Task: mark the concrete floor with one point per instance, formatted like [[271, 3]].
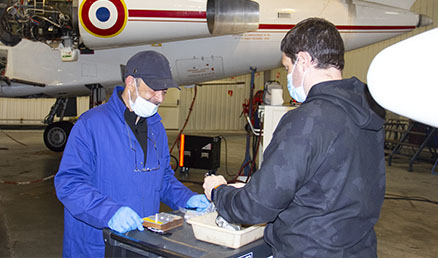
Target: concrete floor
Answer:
[[31, 218]]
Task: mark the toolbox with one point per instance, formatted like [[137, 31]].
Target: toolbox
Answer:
[[200, 152]]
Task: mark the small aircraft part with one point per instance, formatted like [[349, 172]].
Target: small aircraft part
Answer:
[[163, 221], [222, 223]]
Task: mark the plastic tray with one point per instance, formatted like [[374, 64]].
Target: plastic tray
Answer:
[[205, 229]]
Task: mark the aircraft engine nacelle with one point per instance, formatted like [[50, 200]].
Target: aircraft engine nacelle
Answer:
[[230, 17], [100, 24]]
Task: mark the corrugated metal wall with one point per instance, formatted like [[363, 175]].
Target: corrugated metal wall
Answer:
[[215, 109], [31, 111]]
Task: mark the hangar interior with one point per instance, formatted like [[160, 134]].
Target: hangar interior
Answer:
[[31, 217]]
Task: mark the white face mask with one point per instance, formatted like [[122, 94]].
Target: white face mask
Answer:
[[296, 93], [141, 106]]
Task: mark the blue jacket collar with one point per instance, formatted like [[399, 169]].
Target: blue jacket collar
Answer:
[[120, 107]]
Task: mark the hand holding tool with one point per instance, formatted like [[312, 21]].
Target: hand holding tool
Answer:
[[211, 182]]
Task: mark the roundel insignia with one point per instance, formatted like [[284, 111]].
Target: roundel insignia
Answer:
[[103, 18]]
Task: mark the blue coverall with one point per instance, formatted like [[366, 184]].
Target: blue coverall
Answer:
[[96, 176]]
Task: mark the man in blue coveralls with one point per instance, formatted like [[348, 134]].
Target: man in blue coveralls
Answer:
[[115, 168]]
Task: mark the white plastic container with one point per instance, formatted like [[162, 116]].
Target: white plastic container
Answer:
[[277, 97], [205, 229]]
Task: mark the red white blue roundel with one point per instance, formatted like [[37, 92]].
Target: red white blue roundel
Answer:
[[103, 18]]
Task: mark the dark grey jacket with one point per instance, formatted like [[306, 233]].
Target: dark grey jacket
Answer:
[[322, 182]]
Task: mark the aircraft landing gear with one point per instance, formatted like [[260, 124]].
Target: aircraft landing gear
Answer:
[[56, 133]]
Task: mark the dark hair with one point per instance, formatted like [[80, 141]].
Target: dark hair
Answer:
[[320, 39]]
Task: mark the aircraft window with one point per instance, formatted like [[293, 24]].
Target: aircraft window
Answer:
[[284, 15]]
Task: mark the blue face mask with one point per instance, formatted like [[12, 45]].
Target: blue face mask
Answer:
[[296, 93]]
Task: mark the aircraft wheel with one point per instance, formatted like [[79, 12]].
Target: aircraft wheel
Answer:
[[56, 134]]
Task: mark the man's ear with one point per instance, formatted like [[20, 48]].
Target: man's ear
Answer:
[[130, 82], [305, 59]]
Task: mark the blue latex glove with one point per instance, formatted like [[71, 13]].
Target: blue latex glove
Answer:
[[198, 202], [124, 220]]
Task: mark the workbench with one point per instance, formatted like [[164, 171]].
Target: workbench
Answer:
[[179, 243]]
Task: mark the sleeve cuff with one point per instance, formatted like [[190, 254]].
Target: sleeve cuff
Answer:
[[213, 192]]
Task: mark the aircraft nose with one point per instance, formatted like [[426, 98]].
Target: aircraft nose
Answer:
[[424, 21]]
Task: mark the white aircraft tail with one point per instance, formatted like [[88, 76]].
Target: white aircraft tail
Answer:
[[403, 4]]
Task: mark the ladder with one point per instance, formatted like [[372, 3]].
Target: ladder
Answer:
[[412, 135]]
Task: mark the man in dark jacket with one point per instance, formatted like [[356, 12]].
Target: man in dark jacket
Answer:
[[322, 182], [115, 168]]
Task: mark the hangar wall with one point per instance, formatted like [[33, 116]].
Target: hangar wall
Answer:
[[216, 108], [30, 111]]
